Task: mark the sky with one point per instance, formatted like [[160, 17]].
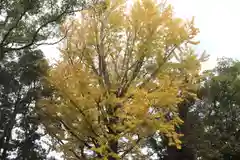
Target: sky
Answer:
[[219, 24]]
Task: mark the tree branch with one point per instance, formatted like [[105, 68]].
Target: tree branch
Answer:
[[131, 148], [12, 28], [82, 113], [154, 73], [34, 37], [61, 142]]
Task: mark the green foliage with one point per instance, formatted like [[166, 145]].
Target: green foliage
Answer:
[[221, 109], [19, 90], [211, 127], [28, 23], [25, 25]]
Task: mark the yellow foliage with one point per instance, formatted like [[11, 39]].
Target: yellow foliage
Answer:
[[123, 69]]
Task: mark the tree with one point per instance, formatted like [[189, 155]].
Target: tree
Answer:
[[20, 87], [28, 23], [123, 72], [193, 132], [214, 117], [25, 25], [219, 110]]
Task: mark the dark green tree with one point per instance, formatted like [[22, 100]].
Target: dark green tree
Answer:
[[29, 23], [219, 110], [212, 122], [24, 26], [159, 145], [20, 87]]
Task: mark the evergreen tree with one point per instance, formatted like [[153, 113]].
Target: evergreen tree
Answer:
[[24, 26], [28, 23], [212, 120], [20, 87], [219, 110]]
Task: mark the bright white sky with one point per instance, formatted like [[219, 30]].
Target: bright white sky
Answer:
[[219, 24], [218, 21]]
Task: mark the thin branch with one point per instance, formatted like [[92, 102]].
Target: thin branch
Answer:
[[128, 52], [131, 148], [52, 43], [114, 61], [67, 128], [34, 37], [61, 143], [12, 28], [83, 114], [155, 72], [83, 156], [75, 135], [102, 58], [56, 42], [90, 60], [135, 73]]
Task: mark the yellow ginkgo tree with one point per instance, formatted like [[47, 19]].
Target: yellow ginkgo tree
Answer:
[[124, 68]]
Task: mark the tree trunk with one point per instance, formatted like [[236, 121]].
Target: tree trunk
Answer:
[[186, 152], [113, 145], [172, 153], [8, 133]]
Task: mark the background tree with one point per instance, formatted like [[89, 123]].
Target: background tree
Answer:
[[19, 89], [219, 111], [28, 23], [214, 132], [192, 129], [193, 136], [122, 76], [25, 25]]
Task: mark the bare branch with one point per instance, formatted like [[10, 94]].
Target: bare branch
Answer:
[[126, 60], [56, 42], [34, 37], [135, 72], [12, 28], [52, 43], [102, 57]]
